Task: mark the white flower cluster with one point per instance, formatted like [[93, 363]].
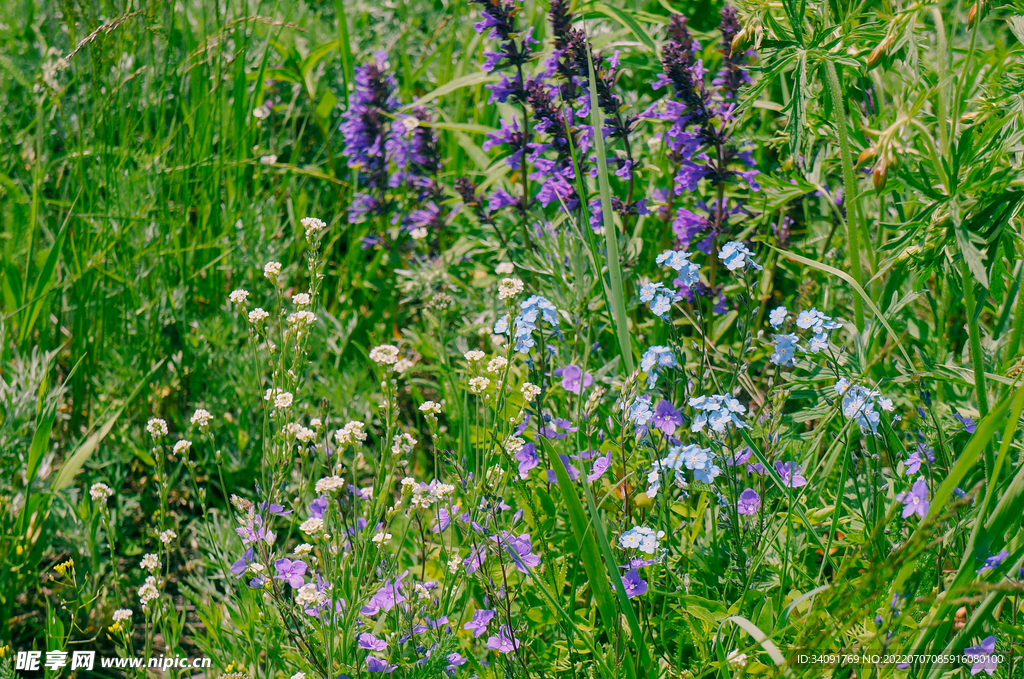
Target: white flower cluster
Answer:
[[298, 432], [257, 316], [201, 418], [167, 536], [329, 484], [157, 428], [272, 270], [509, 288], [309, 596], [315, 229], [352, 433], [312, 526], [384, 354], [238, 297], [530, 391], [99, 492], [150, 562], [281, 399], [402, 444], [122, 614], [148, 591], [497, 364], [478, 385], [182, 447]]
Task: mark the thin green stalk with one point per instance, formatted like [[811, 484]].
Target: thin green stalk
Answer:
[[850, 187], [611, 238], [974, 332]]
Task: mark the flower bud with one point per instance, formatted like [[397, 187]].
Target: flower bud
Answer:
[[880, 51], [739, 41], [880, 176], [866, 155]]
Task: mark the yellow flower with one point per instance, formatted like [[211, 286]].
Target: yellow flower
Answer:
[[63, 568]]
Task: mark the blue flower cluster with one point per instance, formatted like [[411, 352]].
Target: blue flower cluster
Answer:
[[534, 308]]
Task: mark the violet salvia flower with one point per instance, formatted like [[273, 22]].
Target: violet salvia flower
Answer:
[[366, 128], [481, 619], [505, 642], [634, 585]]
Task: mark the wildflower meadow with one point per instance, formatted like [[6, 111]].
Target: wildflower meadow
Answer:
[[511, 338]]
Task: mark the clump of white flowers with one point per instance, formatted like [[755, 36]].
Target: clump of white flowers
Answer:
[[257, 316], [157, 428], [384, 354], [315, 229], [298, 432], [509, 288], [122, 614], [312, 526], [329, 484], [497, 364], [167, 536], [201, 418], [238, 297], [99, 492], [182, 447], [301, 299], [150, 562], [272, 270], [478, 385], [351, 433], [402, 444], [309, 596], [530, 391], [148, 591]]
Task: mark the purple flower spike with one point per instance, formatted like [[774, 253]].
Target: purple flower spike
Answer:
[[984, 656], [481, 618], [749, 502], [790, 473], [635, 585], [291, 571], [505, 642]]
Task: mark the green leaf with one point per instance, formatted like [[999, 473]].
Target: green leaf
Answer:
[[452, 85], [611, 239], [627, 20]]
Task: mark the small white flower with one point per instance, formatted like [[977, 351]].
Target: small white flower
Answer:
[[272, 270], [309, 596], [504, 268], [402, 365], [402, 444], [283, 400], [530, 391], [381, 538], [352, 432], [329, 484], [385, 354], [314, 229], [509, 287], [418, 233], [430, 407], [167, 537], [157, 428], [475, 356], [150, 562], [148, 591], [257, 316], [477, 385], [497, 364], [238, 297], [312, 526], [182, 447], [299, 675], [99, 492], [122, 614], [301, 299], [454, 565], [736, 659], [304, 548], [268, 159], [201, 418]]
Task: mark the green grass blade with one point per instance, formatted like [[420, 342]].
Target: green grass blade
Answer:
[[611, 237]]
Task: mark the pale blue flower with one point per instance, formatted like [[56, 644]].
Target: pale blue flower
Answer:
[[777, 316], [785, 350], [735, 256]]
